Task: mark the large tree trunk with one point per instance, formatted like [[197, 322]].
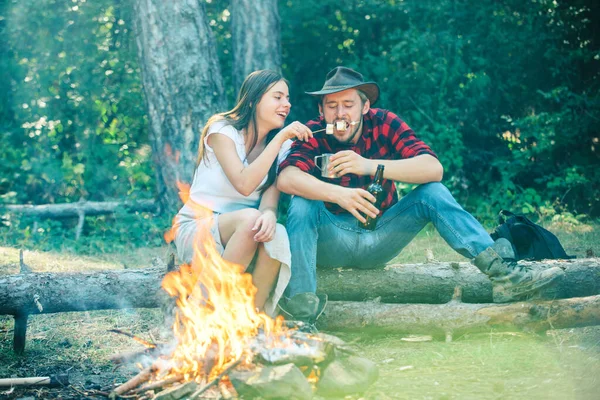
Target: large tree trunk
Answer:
[[182, 83], [256, 37]]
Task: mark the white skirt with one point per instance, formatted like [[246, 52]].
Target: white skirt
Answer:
[[187, 231]]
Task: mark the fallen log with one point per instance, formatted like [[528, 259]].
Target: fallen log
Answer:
[[66, 210], [434, 283], [46, 292], [455, 317], [37, 293]]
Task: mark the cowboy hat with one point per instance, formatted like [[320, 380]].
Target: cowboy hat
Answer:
[[342, 78]]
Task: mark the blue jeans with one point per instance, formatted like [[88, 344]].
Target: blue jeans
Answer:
[[318, 237]]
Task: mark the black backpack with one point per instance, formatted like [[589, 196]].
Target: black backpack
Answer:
[[529, 240]]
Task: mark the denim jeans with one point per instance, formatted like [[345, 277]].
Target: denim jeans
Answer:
[[318, 237]]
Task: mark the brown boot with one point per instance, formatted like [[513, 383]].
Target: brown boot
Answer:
[[512, 281], [305, 308]]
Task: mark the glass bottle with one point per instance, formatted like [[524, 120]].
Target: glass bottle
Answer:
[[378, 192]]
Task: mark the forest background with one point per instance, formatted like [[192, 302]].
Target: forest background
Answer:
[[506, 92]]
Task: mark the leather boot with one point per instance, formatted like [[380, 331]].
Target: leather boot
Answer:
[[512, 281], [305, 308]]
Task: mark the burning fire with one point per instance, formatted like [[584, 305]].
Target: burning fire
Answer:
[[216, 321]]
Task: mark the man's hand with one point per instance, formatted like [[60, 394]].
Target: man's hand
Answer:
[[357, 202], [265, 226], [349, 162]]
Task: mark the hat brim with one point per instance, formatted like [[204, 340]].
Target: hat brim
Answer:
[[371, 89]]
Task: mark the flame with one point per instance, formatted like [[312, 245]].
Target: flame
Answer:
[[216, 319]]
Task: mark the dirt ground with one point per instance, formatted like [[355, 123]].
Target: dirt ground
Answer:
[[563, 364]]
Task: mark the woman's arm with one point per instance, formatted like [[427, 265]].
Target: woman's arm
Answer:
[[246, 179]]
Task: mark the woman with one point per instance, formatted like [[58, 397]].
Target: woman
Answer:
[[234, 179]]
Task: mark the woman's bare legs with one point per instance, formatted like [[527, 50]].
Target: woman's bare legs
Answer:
[[237, 236], [264, 276]]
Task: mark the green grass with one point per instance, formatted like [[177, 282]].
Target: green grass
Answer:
[[564, 364]]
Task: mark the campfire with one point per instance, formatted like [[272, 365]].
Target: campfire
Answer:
[[223, 347]]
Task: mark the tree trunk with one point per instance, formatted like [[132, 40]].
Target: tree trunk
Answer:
[[182, 84], [70, 210], [456, 318], [420, 283], [256, 37], [45, 292], [435, 283]]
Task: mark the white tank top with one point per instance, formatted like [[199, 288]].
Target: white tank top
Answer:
[[211, 188]]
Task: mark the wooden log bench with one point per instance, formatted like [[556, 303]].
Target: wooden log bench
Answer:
[[360, 298]]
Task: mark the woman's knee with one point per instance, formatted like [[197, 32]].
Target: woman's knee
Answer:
[[246, 221]]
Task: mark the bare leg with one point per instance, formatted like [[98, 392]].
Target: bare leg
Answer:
[[264, 276], [237, 236]]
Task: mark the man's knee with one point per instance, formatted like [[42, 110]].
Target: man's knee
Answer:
[[433, 192]]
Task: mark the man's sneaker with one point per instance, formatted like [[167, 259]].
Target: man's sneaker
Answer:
[[512, 281]]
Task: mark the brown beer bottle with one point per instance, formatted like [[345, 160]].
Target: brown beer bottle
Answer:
[[377, 191]]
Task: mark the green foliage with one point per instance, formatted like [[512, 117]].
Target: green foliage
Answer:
[[507, 94], [100, 234], [78, 117]]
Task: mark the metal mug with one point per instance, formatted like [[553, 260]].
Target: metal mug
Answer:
[[324, 165]]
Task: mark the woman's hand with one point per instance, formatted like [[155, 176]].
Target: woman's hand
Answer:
[[265, 226], [295, 130]]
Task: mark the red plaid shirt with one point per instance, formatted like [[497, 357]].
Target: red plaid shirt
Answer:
[[384, 137]]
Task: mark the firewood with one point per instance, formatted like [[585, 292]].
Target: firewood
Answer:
[[177, 392], [143, 376], [203, 389], [135, 355], [159, 384]]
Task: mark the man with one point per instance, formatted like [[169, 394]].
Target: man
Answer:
[[323, 212]]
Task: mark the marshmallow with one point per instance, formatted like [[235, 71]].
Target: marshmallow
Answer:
[[341, 125], [329, 129]]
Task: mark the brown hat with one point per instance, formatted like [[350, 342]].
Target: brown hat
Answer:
[[342, 78]]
